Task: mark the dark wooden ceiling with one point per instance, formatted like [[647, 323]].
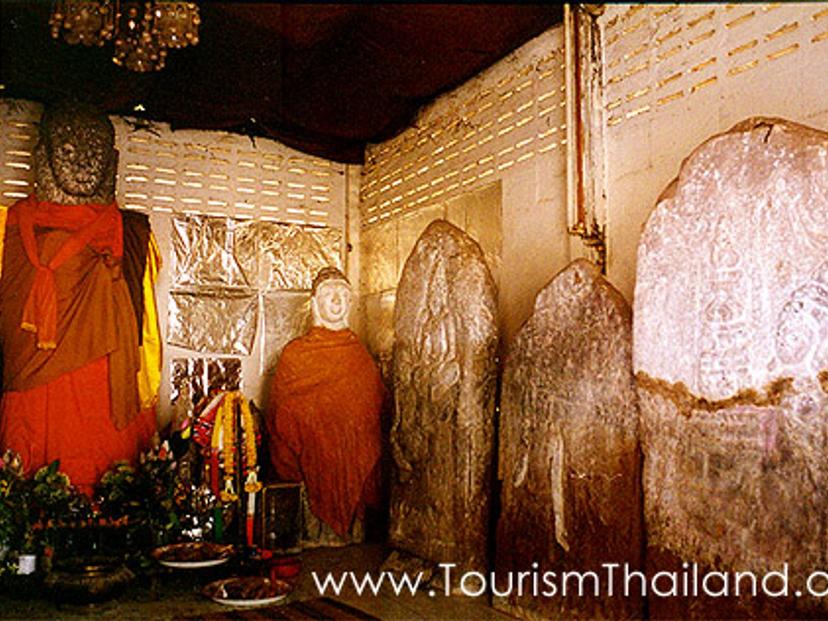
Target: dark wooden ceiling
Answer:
[[324, 78]]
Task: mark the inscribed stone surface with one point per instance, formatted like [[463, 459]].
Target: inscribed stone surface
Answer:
[[445, 374], [569, 457], [731, 345], [411, 226]]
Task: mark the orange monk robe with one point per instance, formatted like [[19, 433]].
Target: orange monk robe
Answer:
[[68, 419], [324, 423], [3, 213], [77, 402]]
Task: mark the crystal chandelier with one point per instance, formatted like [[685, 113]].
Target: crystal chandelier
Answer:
[[142, 31]]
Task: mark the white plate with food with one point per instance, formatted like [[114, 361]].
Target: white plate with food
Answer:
[[247, 591], [193, 554]]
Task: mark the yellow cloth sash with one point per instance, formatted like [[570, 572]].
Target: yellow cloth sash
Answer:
[[149, 376]]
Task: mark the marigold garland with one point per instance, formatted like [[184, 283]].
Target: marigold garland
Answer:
[[229, 441], [252, 484], [234, 428], [222, 441]]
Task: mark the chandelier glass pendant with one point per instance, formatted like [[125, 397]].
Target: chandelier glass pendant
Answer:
[[142, 31]]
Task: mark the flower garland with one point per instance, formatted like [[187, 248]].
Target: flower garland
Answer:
[[249, 430], [230, 435], [228, 449], [235, 432], [223, 443], [251, 483], [204, 430]]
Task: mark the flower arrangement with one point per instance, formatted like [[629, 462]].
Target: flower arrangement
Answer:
[[33, 509], [161, 499], [12, 508], [54, 502], [157, 497], [53, 494], [142, 496], [151, 504]]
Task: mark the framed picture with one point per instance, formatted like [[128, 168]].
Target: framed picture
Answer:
[[281, 518]]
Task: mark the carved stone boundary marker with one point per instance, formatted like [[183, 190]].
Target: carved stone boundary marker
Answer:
[[731, 352], [569, 457], [445, 370]]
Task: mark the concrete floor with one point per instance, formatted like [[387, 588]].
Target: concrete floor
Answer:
[[175, 594]]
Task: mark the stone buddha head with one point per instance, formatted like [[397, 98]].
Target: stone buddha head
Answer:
[[75, 157], [331, 299]]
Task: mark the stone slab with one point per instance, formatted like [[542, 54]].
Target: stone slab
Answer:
[[731, 344], [569, 462], [445, 374]]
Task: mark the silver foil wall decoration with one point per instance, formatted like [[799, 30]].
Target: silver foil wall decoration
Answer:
[[193, 379], [286, 316], [292, 255], [222, 266], [210, 251], [213, 320]]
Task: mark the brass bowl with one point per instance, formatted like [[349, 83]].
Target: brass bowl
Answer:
[[88, 580]]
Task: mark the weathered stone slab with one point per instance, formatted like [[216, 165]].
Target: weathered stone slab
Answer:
[[569, 457], [445, 374], [731, 340]]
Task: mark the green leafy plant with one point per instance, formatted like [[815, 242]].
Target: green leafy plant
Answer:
[[53, 505], [147, 505], [143, 496], [14, 529], [12, 486]]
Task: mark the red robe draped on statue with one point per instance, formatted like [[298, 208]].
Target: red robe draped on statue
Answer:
[[69, 340], [324, 424]]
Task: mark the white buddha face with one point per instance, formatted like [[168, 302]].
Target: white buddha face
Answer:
[[331, 304]]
